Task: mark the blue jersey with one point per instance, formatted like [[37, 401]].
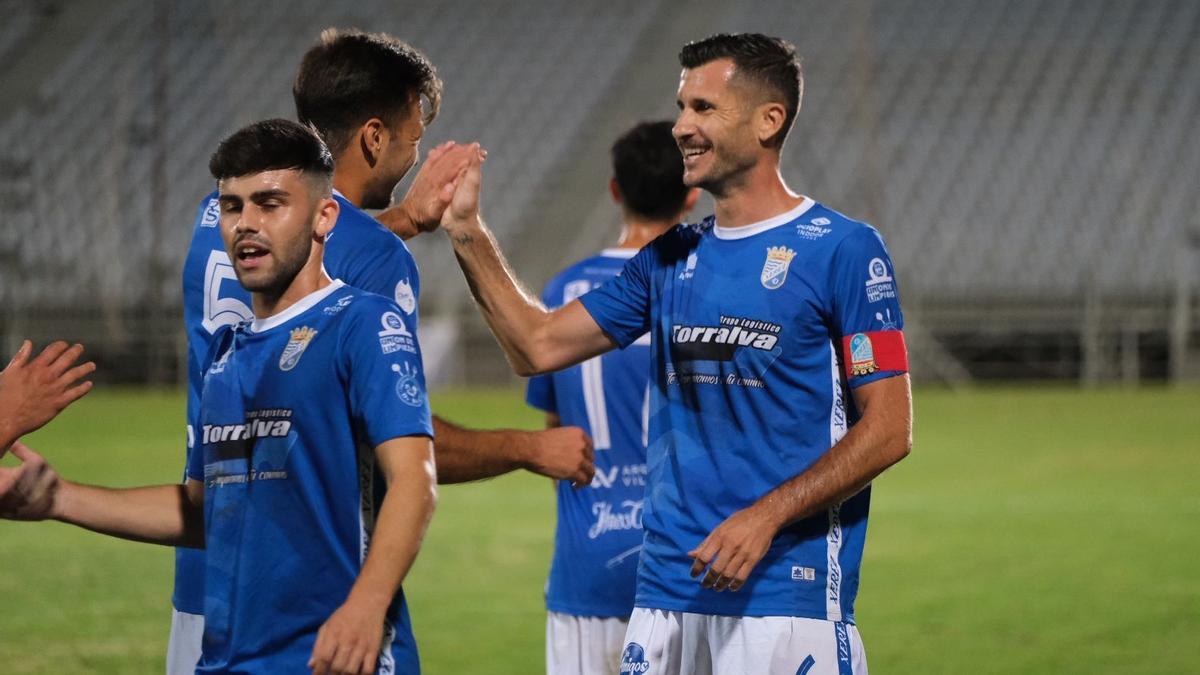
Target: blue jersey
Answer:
[[359, 251], [599, 533], [292, 410], [758, 332]]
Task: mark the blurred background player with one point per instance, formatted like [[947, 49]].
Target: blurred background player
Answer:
[[779, 393], [594, 571], [363, 93], [311, 508]]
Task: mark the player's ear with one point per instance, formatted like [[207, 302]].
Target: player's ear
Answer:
[[372, 136], [325, 218], [614, 190], [768, 120]]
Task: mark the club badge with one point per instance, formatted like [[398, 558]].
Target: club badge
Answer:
[[775, 269], [298, 342]]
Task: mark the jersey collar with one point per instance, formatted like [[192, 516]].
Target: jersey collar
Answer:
[[303, 305], [763, 225], [625, 253]]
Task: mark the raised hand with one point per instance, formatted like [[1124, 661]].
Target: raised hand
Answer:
[[431, 190], [33, 392]]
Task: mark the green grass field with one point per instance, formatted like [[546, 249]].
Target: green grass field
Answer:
[[1031, 531]]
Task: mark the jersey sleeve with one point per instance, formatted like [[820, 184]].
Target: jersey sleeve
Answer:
[[539, 392], [383, 373], [621, 307], [384, 266], [865, 303]]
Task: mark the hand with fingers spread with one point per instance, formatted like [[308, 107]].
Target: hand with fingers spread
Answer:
[[33, 392], [29, 491], [562, 453], [431, 190], [731, 551], [349, 641]]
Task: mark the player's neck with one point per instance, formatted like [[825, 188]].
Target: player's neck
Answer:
[[637, 232], [349, 186], [309, 280], [762, 195]]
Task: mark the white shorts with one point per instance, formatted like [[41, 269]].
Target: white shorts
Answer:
[[583, 645], [679, 643], [183, 649]]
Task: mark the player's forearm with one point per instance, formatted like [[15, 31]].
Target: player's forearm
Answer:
[[465, 455], [399, 529], [882, 437], [516, 317], [399, 219], [162, 514]]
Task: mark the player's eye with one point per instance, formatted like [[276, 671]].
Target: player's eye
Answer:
[[229, 207]]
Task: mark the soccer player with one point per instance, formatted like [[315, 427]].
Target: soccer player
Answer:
[[780, 383], [312, 480], [590, 592], [363, 93]]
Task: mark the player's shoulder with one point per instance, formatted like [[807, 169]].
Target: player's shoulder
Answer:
[[357, 230], [353, 306], [582, 275], [822, 227]]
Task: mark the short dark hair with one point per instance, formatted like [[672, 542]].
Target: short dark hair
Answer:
[[648, 168], [350, 76], [769, 62], [269, 145]]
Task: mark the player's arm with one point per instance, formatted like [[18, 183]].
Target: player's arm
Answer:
[[882, 437], [430, 192], [163, 514], [33, 392], [464, 455], [349, 641], [534, 339]]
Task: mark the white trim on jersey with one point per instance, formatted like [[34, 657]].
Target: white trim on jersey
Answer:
[[625, 253], [763, 225], [593, 400], [838, 426], [302, 305], [646, 417]]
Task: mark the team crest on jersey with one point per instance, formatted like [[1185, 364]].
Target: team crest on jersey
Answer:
[[297, 343], [880, 285], [404, 296], [775, 269], [212, 214], [408, 388], [862, 355]]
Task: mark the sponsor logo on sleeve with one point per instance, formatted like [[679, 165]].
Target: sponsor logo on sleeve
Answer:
[[395, 336], [211, 217], [633, 659], [885, 320], [408, 388], [880, 285], [775, 268], [405, 297]]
